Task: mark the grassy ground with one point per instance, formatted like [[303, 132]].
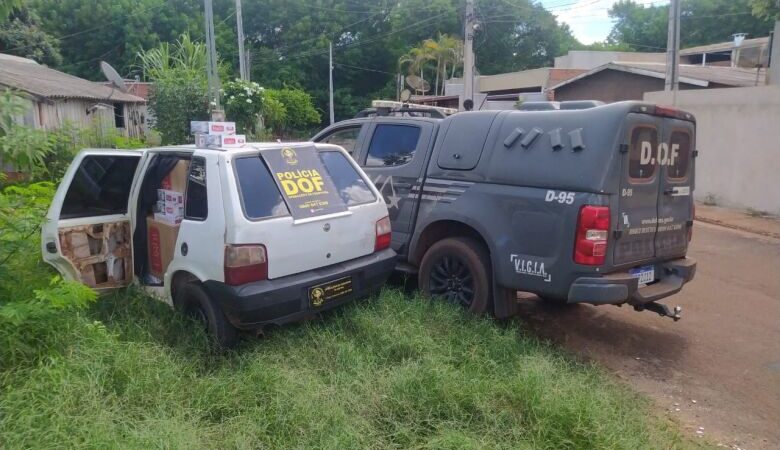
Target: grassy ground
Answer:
[[391, 372]]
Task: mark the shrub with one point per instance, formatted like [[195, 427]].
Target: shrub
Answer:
[[244, 101], [300, 115]]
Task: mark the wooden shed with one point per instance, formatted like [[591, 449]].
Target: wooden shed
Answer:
[[57, 98]]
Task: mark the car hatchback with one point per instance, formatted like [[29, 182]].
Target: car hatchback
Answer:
[[237, 237]]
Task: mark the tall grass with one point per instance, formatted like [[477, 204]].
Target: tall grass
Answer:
[[392, 372]]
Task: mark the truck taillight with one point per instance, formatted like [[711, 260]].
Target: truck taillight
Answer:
[[590, 245], [383, 234], [245, 263]]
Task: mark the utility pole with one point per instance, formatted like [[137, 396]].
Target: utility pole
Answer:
[[243, 67], [673, 49], [330, 75], [211, 60], [468, 57]]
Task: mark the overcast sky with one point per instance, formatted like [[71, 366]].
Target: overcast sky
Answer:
[[588, 19]]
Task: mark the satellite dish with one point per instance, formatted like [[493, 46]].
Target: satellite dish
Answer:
[[417, 83], [406, 94], [113, 76]]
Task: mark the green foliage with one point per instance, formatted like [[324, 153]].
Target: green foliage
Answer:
[[7, 7], [180, 92], [300, 113], [766, 9], [644, 28], [23, 36], [128, 142], [22, 147], [243, 102]]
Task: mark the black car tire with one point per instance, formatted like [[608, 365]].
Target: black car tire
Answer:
[[458, 269], [192, 300]]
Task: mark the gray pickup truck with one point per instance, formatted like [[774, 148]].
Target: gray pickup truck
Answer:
[[578, 206]]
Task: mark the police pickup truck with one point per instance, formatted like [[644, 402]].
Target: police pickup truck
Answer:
[[586, 205]]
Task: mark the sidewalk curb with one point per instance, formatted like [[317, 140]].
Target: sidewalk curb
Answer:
[[737, 227]]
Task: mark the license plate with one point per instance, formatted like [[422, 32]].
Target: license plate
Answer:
[[645, 274], [325, 292]]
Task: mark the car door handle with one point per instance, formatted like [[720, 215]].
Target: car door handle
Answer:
[[51, 247]]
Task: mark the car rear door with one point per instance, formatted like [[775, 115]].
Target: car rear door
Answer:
[[637, 214], [87, 235], [295, 244], [675, 204], [393, 156]]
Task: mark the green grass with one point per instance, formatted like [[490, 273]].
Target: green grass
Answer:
[[392, 372]]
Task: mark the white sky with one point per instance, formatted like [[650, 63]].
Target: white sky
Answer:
[[588, 19]]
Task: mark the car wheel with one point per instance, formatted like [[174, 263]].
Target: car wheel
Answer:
[[458, 271], [194, 301]]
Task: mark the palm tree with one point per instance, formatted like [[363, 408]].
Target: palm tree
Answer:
[[415, 60], [446, 50]]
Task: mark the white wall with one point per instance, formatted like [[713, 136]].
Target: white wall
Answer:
[[590, 59], [738, 138]]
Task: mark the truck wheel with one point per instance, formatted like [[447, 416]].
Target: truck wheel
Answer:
[[194, 301], [457, 270]]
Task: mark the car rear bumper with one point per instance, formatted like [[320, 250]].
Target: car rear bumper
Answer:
[[617, 288], [286, 299]]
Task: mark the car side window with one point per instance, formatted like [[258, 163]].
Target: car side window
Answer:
[[100, 186], [196, 205], [392, 145], [345, 137]]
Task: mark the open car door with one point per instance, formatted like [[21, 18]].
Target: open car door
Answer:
[[87, 235]]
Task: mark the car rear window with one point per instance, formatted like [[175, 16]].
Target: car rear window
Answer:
[[352, 188], [680, 154], [260, 198], [641, 154]]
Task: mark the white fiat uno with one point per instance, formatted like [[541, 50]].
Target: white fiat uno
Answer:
[[236, 237]]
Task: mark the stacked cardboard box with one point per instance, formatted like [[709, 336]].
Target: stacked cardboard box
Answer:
[[216, 134], [170, 206], [163, 225], [161, 246]]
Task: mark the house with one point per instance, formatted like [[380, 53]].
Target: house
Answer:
[[56, 98], [747, 53], [618, 81]]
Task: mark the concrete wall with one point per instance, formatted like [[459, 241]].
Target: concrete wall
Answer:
[[589, 59], [738, 138]]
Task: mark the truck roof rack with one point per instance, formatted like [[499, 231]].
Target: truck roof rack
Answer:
[[393, 108]]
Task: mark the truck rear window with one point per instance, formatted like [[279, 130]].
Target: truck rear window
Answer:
[[352, 188], [260, 198], [680, 154], [641, 154]]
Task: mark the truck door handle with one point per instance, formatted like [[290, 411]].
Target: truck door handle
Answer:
[[51, 247]]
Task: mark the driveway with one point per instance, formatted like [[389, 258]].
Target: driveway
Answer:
[[718, 369]]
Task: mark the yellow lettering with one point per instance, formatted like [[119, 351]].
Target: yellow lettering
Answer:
[[290, 187], [317, 180], [305, 185]]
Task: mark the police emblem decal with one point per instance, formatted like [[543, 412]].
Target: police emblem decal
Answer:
[[289, 155]]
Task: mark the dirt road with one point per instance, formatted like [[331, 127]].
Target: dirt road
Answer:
[[719, 367]]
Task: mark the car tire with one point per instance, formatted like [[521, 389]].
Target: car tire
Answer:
[[193, 301], [458, 270]]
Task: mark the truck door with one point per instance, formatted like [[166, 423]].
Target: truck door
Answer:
[[393, 156], [87, 235], [637, 215], [675, 205]]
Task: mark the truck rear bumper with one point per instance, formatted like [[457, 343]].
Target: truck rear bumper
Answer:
[[618, 288], [286, 299]]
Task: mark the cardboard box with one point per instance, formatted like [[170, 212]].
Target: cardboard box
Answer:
[[169, 219], [199, 127], [209, 140], [161, 243], [176, 180]]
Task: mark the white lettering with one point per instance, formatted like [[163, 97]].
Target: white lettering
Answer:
[[646, 153]]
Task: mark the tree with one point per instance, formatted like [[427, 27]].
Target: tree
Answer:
[[180, 92], [23, 36], [766, 9], [7, 7], [644, 28]]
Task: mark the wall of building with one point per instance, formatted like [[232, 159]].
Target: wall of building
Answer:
[[611, 86], [586, 59], [86, 113], [737, 139]]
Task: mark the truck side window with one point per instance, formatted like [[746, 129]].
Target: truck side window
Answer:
[[392, 145], [642, 153], [100, 186], [196, 205], [681, 142], [345, 137]]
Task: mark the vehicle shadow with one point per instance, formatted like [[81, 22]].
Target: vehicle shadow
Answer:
[[604, 332]]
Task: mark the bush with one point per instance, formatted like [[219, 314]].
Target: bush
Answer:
[[300, 113], [244, 101], [173, 103]]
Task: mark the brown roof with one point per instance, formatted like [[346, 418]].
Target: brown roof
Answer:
[[41, 81], [689, 74]]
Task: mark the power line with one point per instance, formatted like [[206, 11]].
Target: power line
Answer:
[[363, 68]]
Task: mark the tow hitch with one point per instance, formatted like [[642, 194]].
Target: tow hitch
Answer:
[[661, 309]]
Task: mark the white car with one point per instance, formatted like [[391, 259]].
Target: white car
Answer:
[[237, 237]]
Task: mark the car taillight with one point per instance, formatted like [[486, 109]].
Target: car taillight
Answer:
[[382, 240], [590, 245], [245, 263]]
